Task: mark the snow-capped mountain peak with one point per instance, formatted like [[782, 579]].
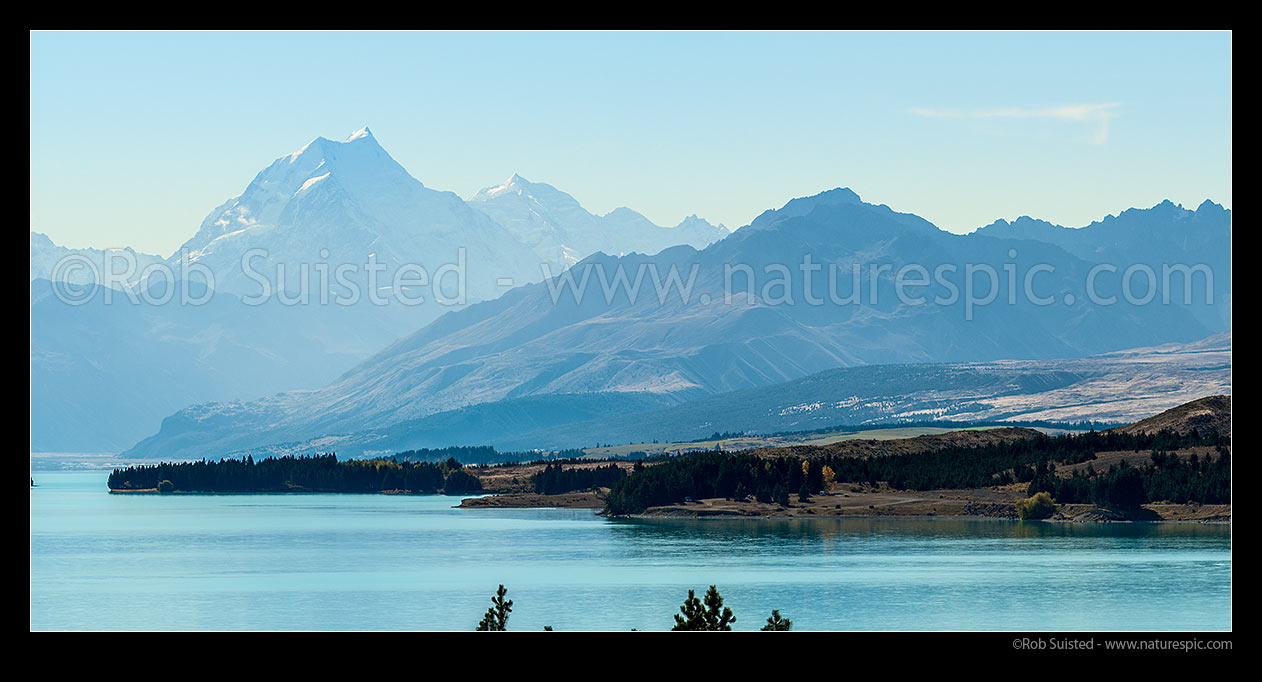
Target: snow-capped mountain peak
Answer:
[[349, 200], [515, 184], [357, 165], [361, 134]]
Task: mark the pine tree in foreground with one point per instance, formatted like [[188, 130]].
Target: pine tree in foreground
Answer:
[[496, 618], [713, 616], [776, 623], [693, 617]]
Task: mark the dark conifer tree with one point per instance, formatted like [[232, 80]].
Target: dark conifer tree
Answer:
[[711, 616], [776, 623], [496, 618]]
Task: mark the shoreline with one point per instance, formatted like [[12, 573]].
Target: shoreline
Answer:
[[990, 504], [155, 491], [910, 517]]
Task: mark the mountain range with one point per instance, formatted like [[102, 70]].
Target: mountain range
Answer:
[[717, 333], [340, 203], [329, 204]]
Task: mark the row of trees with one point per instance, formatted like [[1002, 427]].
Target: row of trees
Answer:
[[316, 473], [555, 479], [695, 615], [999, 463], [469, 454], [715, 474], [1165, 478]]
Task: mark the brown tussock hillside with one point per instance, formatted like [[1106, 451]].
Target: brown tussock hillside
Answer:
[[1205, 414], [902, 446]]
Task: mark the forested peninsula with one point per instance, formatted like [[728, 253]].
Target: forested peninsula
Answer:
[[317, 473]]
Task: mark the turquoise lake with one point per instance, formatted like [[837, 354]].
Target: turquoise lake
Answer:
[[386, 562]]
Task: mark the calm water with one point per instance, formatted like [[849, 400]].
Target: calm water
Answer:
[[381, 562]]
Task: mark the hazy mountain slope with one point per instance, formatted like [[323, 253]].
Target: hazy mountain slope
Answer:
[[498, 422], [103, 375], [1109, 388], [1114, 387]]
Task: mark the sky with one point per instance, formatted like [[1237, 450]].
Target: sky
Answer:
[[136, 137]]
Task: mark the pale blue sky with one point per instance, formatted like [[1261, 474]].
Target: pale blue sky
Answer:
[[135, 137]]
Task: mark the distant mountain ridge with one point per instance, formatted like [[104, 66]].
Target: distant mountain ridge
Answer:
[[90, 265], [562, 232], [1145, 236]]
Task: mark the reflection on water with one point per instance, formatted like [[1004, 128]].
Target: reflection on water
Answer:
[[101, 561]]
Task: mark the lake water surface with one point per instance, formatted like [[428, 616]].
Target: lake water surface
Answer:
[[387, 562]]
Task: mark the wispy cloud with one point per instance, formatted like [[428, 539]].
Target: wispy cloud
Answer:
[[1097, 114]]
